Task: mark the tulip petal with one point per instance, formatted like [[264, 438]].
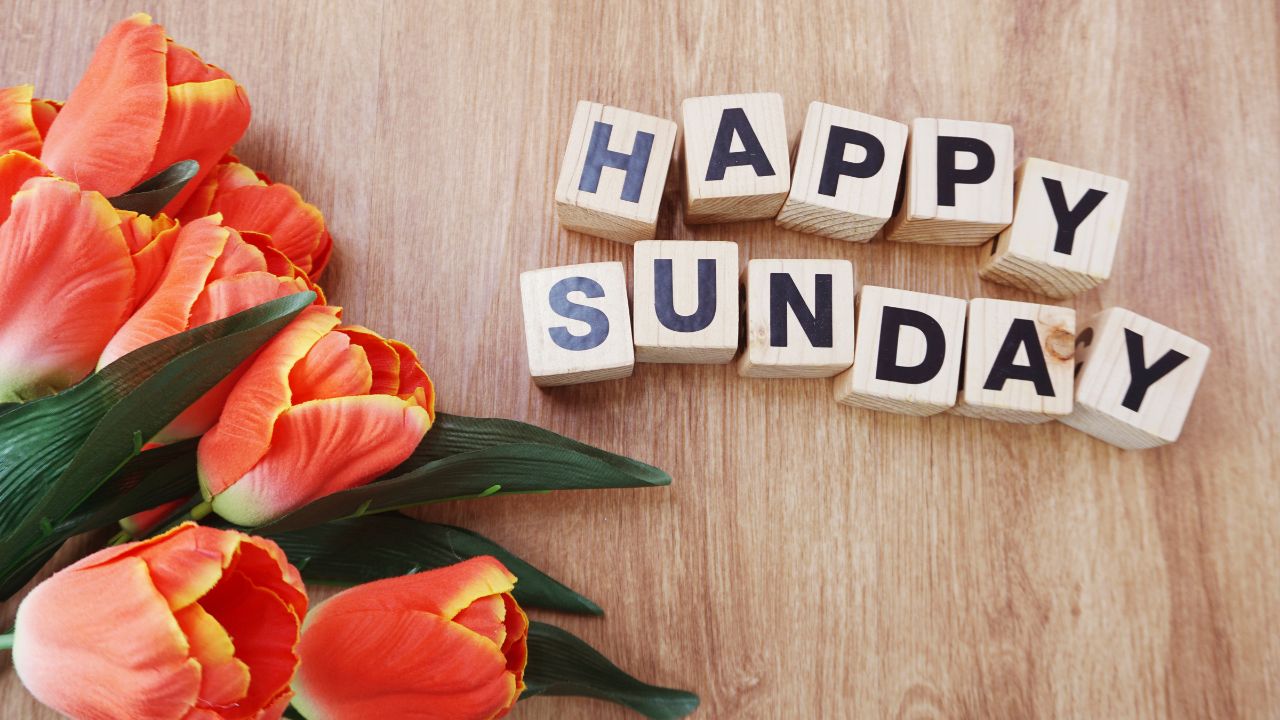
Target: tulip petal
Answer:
[[414, 379], [444, 591], [239, 257], [226, 297], [201, 122], [335, 367], [383, 358], [105, 136], [183, 65], [18, 130], [264, 561], [16, 168], [224, 679], [515, 647], [486, 617], [187, 561], [295, 226], [43, 113]]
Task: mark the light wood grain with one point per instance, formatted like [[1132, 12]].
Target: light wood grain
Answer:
[[812, 561]]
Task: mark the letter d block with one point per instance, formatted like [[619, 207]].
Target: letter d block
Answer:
[[576, 323], [907, 357], [1065, 226], [1135, 380], [1017, 361], [736, 158], [686, 301], [847, 169], [614, 172], [799, 318], [959, 188]]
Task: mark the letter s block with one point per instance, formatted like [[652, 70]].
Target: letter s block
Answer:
[[686, 301], [1135, 380], [576, 323], [736, 158], [799, 320], [907, 356], [1065, 225], [614, 172], [959, 188], [847, 170]]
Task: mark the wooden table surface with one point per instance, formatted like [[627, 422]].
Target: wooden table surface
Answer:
[[810, 560]]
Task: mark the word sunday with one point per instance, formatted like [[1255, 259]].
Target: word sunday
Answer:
[[1123, 378]]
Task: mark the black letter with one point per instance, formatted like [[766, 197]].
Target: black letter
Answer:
[[1021, 332], [735, 120], [664, 297], [600, 156], [816, 325], [1142, 377], [834, 165], [949, 176], [935, 351], [599, 322], [1069, 218]]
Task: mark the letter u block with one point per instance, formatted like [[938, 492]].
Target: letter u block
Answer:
[[907, 356], [799, 318], [577, 324], [736, 158], [1135, 380], [847, 169], [959, 187], [686, 301], [614, 172]]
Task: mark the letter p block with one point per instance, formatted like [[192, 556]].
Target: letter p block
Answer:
[[576, 323]]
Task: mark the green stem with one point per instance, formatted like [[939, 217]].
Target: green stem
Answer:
[[6, 641]]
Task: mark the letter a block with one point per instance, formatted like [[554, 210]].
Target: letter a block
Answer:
[[1018, 363], [959, 188], [1065, 226], [577, 325], [847, 169], [614, 172], [1135, 380], [907, 357], [799, 318], [737, 164], [686, 301]]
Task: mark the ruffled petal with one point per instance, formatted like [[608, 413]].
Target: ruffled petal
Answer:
[[184, 65], [486, 617], [16, 168], [18, 130], [333, 368], [295, 227], [201, 122], [228, 296], [383, 358], [414, 382], [224, 679]]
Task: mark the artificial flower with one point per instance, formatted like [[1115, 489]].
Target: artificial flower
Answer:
[[24, 119], [447, 644], [194, 624]]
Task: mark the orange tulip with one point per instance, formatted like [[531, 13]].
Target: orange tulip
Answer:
[[194, 624], [446, 644], [144, 103], [322, 408], [24, 120]]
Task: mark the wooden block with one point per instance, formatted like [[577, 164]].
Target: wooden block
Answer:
[[1065, 225], [799, 318], [1135, 380], [1018, 363], [577, 325], [614, 172], [959, 188], [907, 356], [686, 301], [736, 160], [847, 170]]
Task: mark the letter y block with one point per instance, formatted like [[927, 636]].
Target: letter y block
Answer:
[[576, 323]]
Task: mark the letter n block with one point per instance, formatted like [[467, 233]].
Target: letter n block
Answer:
[[686, 301], [1065, 226], [907, 356], [1135, 380], [1018, 363], [736, 160], [577, 324], [614, 172], [959, 188], [847, 169], [799, 320]]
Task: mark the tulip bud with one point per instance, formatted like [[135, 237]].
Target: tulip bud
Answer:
[[447, 643], [197, 622]]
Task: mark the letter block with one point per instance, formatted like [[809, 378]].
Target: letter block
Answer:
[[686, 301], [959, 188], [847, 169], [1018, 363], [1135, 380], [799, 318], [614, 172], [736, 158], [577, 325], [1065, 226], [907, 355]]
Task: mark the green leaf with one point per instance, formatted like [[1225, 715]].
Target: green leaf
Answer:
[[6, 407], [151, 195], [364, 549], [562, 664]]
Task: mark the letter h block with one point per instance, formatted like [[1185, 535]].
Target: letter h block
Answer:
[[577, 324], [614, 172], [686, 301], [799, 318], [736, 160]]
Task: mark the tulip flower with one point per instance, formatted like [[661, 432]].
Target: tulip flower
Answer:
[[24, 120], [144, 103], [197, 623], [446, 644], [322, 408]]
